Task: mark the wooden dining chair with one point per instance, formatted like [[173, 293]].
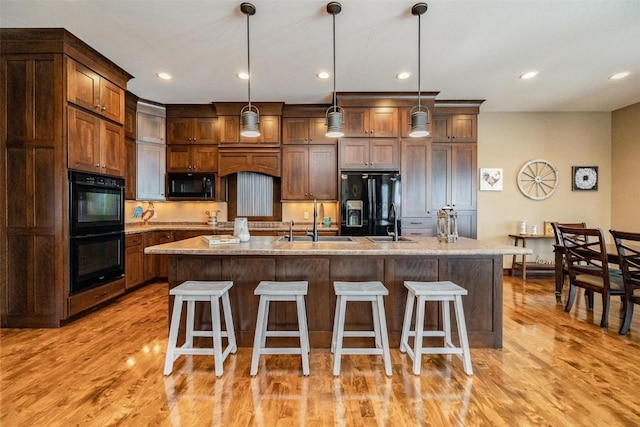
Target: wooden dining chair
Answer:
[[628, 246], [586, 262], [565, 272]]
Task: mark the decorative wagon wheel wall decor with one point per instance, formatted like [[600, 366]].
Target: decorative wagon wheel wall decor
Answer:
[[538, 179]]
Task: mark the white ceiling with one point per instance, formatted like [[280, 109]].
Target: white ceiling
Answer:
[[471, 49]]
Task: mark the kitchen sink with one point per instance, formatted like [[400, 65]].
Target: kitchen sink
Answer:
[[389, 239], [327, 239]]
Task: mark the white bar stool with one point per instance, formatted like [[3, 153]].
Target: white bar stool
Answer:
[[280, 291], [435, 291], [360, 291], [190, 292]]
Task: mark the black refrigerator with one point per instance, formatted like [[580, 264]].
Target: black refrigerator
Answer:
[[367, 202]]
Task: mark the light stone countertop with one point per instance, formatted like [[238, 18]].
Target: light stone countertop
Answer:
[[269, 245], [222, 227]]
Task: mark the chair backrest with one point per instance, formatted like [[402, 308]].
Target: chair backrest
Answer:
[[556, 233], [582, 256], [628, 246]]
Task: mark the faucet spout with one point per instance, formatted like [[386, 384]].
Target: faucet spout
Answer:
[[291, 231], [393, 210], [314, 233]]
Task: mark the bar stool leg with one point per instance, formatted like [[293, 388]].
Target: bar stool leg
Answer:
[[260, 335], [217, 335], [419, 333], [406, 324], [228, 321], [446, 322], [335, 325], [382, 326], [304, 334], [265, 322], [190, 322], [462, 332], [173, 335], [337, 354], [376, 323]]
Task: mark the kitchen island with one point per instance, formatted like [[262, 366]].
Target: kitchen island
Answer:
[[472, 264]]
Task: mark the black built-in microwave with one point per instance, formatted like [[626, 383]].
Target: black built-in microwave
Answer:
[[191, 186]]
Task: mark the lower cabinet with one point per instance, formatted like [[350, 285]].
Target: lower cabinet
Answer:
[[134, 256], [93, 297], [156, 265]]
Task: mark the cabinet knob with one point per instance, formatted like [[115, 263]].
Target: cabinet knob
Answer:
[[104, 108], [97, 106], [195, 167], [97, 165]]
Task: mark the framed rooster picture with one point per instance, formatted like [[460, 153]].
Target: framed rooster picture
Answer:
[[491, 179]]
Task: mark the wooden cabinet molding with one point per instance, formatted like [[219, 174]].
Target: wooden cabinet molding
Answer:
[[262, 160]]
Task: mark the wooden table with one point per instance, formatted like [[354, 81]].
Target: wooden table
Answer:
[[523, 265]]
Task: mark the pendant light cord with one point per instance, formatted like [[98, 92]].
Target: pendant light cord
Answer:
[[419, 60], [334, 62], [248, 63]]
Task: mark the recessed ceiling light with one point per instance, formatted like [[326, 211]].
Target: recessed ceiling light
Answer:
[[164, 76], [322, 75], [528, 75], [621, 75], [243, 75], [403, 75]]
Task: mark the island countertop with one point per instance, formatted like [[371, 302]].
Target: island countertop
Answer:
[[270, 245]]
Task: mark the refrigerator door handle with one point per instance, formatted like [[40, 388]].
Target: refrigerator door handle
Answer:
[[373, 203]]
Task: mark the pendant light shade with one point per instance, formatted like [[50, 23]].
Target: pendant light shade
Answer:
[[249, 115], [419, 113], [334, 117]]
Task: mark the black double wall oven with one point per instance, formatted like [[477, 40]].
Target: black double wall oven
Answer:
[[96, 230]]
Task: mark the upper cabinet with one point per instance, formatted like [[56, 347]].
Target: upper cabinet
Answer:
[[197, 130], [369, 154], [455, 127], [305, 130], [269, 127], [91, 91], [151, 123], [309, 172], [377, 122]]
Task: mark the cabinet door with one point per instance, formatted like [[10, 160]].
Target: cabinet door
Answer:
[[162, 266], [178, 158], [134, 269], [467, 221], [464, 128], [441, 128], [416, 164], [356, 122], [295, 167], [150, 261], [83, 86], [84, 140], [323, 172], [151, 128], [463, 176], [130, 122], [179, 131], [317, 131], [384, 154], [229, 129], [383, 122], [269, 131], [440, 176], [205, 130], [130, 169], [295, 130], [354, 154], [151, 165], [204, 158], [111, 101], [112, 160]]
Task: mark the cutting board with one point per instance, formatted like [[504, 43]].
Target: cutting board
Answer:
[[221, 239]]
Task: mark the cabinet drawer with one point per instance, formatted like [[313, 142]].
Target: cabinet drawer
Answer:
[[416, 222], [417, 232], [133, 240], [93, 297]]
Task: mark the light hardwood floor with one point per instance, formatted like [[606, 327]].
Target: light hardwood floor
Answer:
[[555, 369]]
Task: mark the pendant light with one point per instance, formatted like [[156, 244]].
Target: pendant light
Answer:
[[419, 113], [249, 115], [334, 119]]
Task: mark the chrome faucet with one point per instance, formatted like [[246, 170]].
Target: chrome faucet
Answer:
[[314, 233], [394, 210], [291, 231]]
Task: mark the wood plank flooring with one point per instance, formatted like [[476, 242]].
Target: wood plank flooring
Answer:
[[555, 369]]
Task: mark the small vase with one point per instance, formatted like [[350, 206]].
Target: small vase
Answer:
[[244, 235]]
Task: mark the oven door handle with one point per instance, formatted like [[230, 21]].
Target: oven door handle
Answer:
[[87, 236]]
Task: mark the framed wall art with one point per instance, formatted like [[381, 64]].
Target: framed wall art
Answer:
[[491, 179], [584, 178]]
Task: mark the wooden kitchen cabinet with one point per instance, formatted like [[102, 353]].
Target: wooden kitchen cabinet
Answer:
[[455, 128], [309, 172], [150, 172], [262, 160], [372, 122], [230, 131], [150, 127], [89, 90], [95, 145], [369, 154], [195, 158], [156, 265], [199, 130], [131, 154], [305, 130], [134, 256]]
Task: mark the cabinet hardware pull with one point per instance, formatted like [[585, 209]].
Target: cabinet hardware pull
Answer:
[[104, 108]]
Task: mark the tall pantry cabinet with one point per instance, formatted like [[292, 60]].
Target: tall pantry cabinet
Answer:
[[50, 123]]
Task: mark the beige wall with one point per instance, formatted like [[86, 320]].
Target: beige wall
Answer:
[[625, 179], [509, 140]]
